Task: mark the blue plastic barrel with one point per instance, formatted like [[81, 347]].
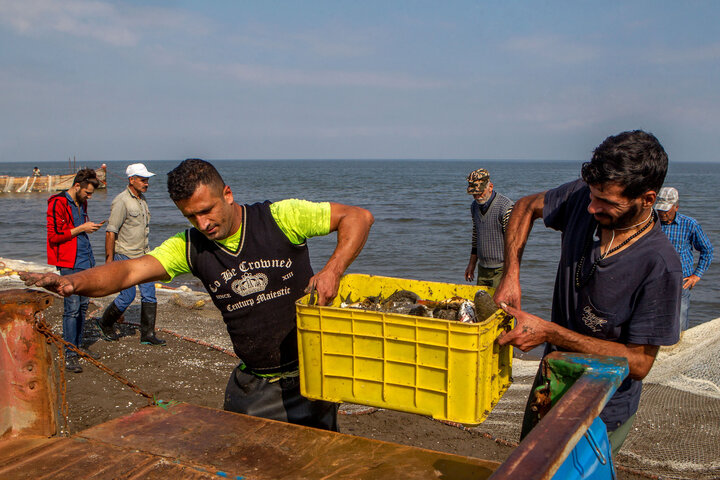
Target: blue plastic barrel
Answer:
[[591, 458]]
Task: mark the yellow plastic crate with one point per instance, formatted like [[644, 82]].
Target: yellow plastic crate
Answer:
[[445, 369]]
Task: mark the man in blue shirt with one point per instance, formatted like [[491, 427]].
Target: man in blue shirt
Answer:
[[685, 233]]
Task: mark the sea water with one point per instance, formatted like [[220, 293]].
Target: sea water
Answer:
[[422, 224]]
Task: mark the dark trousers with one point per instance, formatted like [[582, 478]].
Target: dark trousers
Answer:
[[684, 308], [74, 311], [277, 400], [126, 297]]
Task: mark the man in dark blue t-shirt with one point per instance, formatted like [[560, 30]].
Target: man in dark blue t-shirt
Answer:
[[618, 282]]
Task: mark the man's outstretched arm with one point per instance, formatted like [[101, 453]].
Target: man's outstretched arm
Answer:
[[102, 280], [353, 227], [524, 213]]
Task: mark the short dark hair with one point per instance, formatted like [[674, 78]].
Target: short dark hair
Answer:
[[184, 179], [85, 177], [635, 160]]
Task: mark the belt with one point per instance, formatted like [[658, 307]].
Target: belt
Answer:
[[272, 377]]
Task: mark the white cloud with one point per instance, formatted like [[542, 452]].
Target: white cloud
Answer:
[[371, 131], [699, 54], [552, 48], [550, 116], [332, 43], [94, 19], [577, 108], [265, 75]]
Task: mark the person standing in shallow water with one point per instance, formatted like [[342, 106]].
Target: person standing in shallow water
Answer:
[[490, 212], [617, 287], [254, 262], [69, 249], [685, 233], [127, 237]]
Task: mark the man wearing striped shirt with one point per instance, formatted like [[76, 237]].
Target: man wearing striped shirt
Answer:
[[686, 234]]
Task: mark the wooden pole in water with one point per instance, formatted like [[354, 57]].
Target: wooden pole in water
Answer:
[[27, 377]]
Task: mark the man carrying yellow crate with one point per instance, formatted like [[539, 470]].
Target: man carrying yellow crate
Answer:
[[254, 263]]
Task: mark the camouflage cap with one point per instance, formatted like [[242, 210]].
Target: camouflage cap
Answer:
[[477, 181]]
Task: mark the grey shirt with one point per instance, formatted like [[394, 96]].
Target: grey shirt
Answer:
[[130, 220]]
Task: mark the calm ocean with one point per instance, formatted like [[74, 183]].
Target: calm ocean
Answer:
[[422, 218]]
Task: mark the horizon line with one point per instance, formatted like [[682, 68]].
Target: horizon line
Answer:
[[348, 160]]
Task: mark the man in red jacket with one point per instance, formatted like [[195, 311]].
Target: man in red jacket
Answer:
[[68, 248]]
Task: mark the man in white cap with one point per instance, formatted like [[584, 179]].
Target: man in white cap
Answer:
[[685, 233], [127, 237]]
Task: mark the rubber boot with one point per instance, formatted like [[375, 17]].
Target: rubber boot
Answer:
[[106, 323], [148, 311]]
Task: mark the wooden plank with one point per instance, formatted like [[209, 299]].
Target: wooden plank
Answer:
[[264, 449], [188, 441], [76, 458]]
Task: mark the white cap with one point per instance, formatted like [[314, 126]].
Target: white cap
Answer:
[[138, 170], [667, 197]]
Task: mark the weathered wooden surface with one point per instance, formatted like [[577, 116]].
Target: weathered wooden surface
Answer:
[[188, 441]]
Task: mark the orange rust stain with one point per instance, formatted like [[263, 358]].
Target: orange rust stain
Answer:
[[27, 386]]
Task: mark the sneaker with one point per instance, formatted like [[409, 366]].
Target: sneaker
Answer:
[[72, 364]]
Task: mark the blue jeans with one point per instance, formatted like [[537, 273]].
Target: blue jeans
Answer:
[[684, 307], [74, 311], [126, 297]]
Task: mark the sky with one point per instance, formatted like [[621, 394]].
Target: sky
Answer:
[[165, 80]]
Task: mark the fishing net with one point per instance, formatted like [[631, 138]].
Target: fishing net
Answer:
[[676, 434], [506, 418], [677, 431]]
